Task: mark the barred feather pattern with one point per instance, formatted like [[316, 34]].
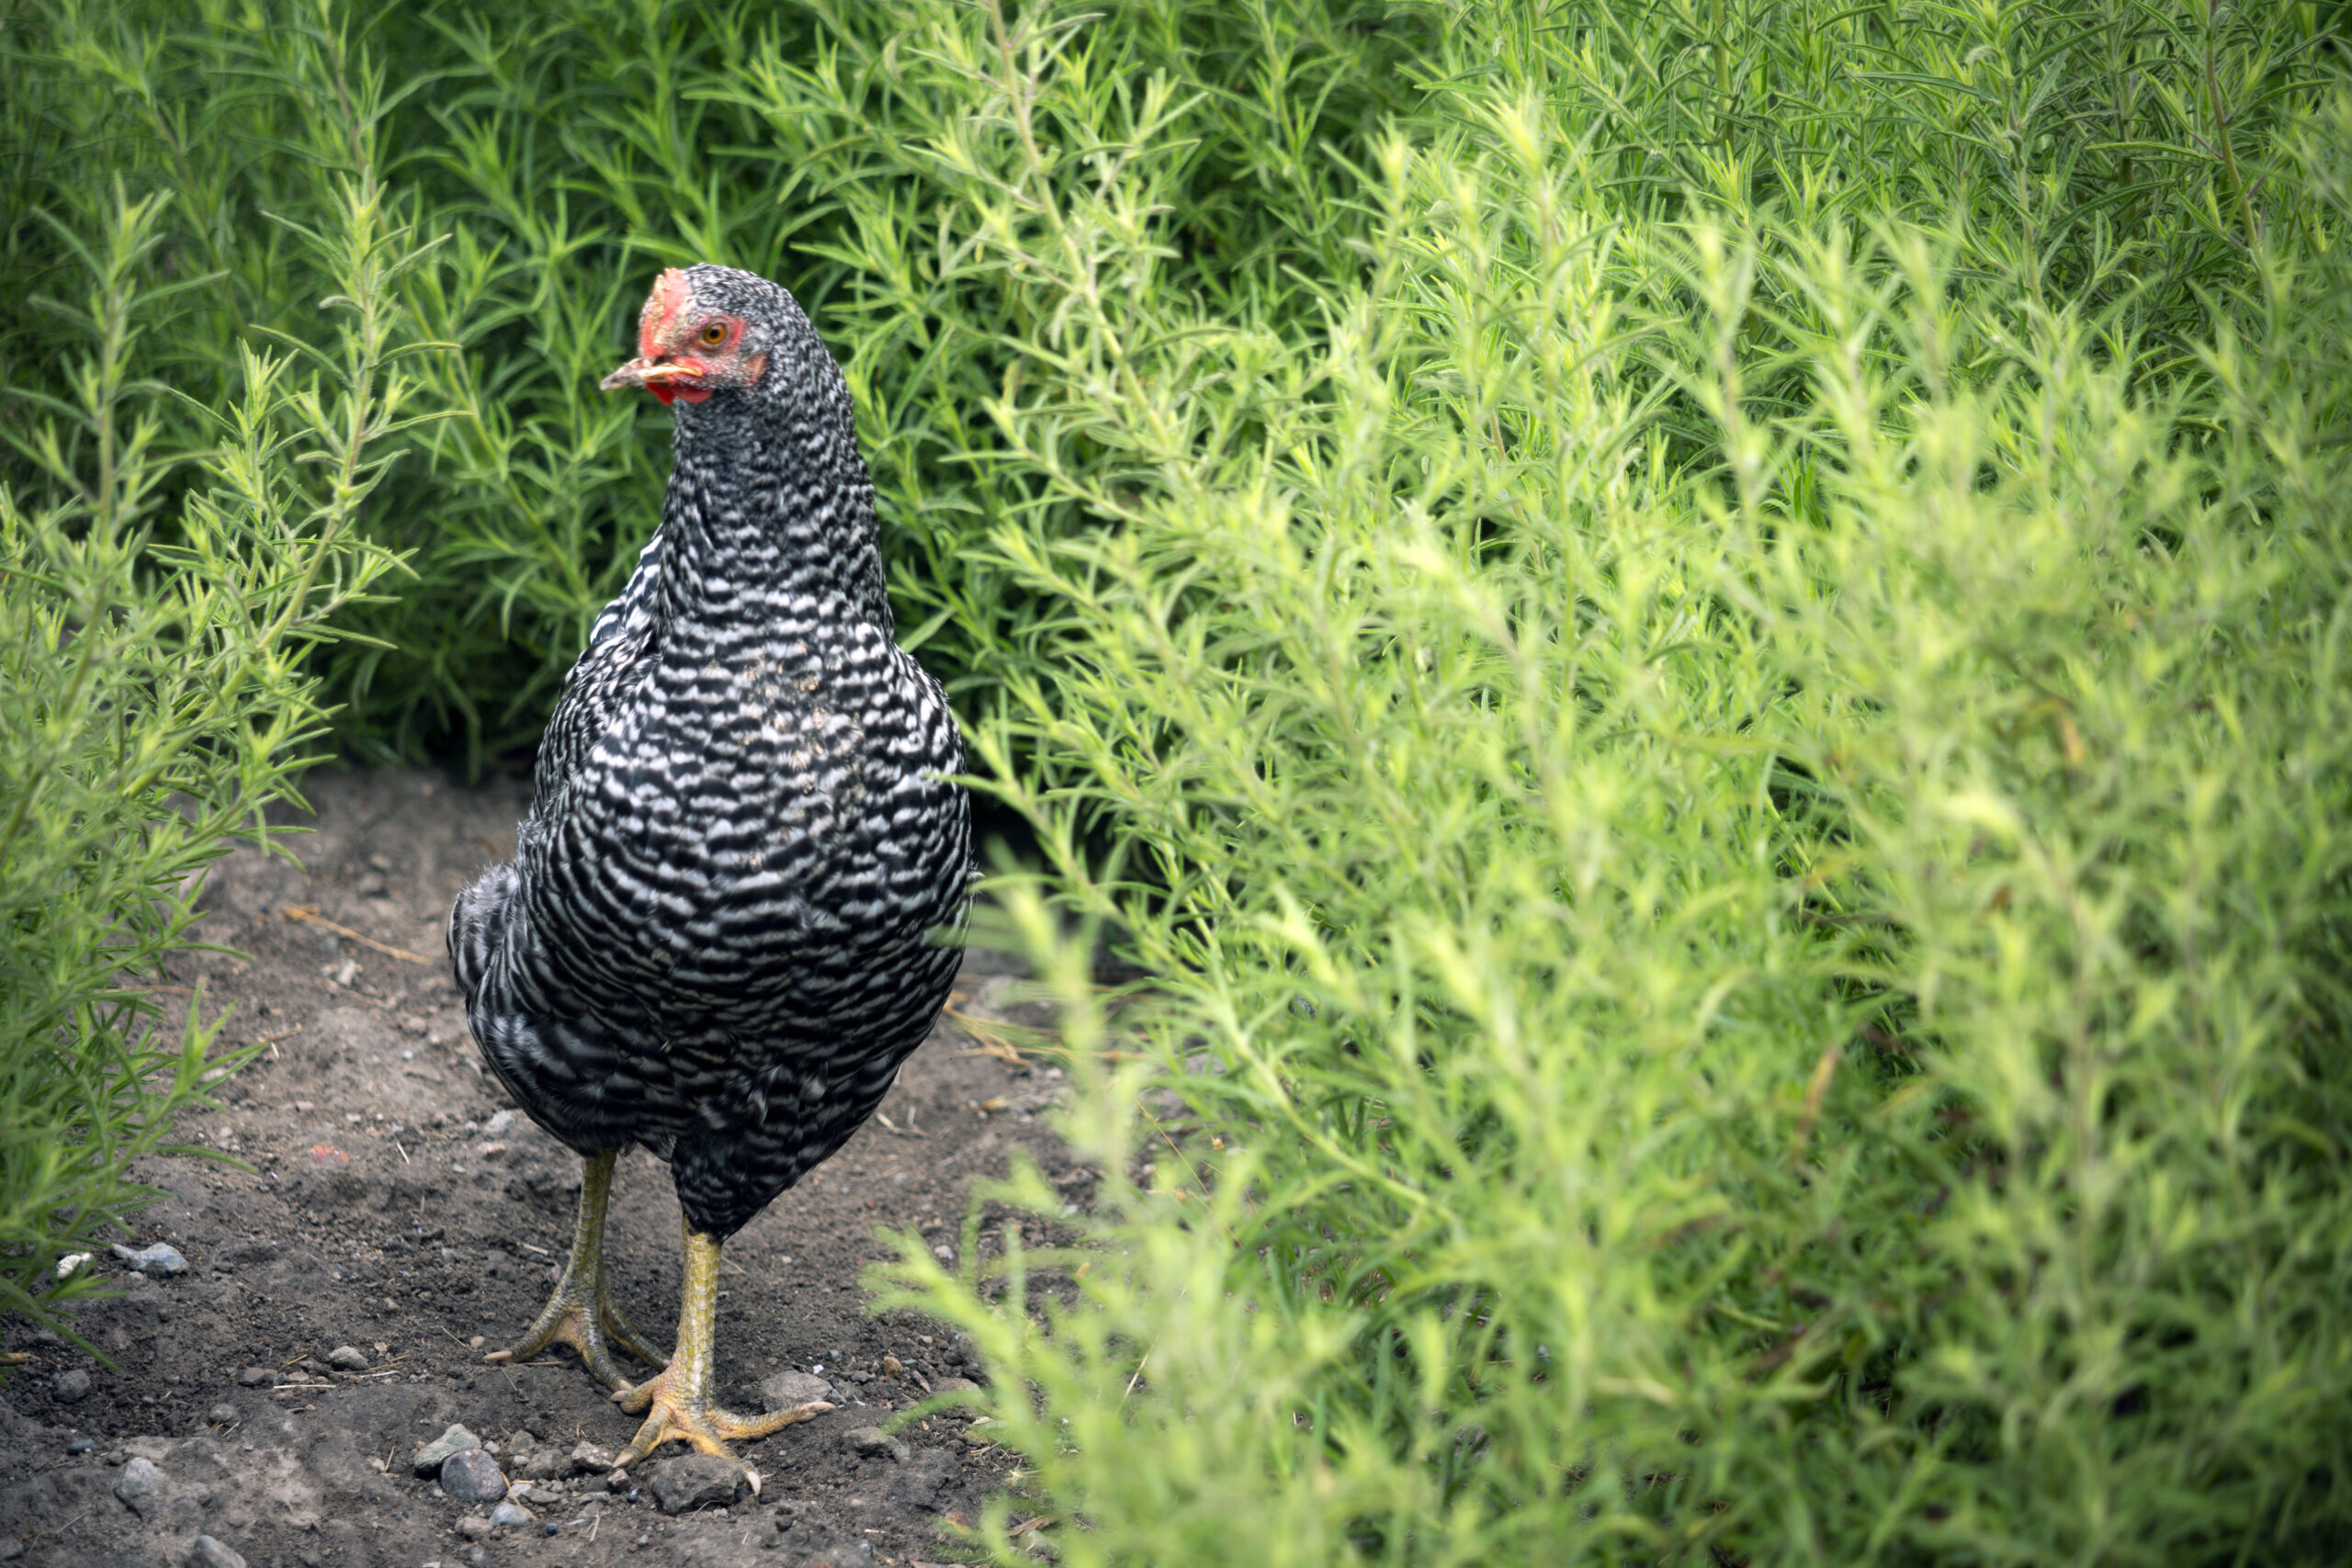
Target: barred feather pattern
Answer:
[[731, 911]]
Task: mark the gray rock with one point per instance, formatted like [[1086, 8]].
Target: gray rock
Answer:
[[347, 1358], [918, 1484], [70, 1387], [786, 1391], [955, 1385], [587, 1459], [695, 1481], [207, 1553], [500, 1122], [473, 1526], [873, 1443], [510, 1513], [223, 1415], [543, 1463], [138, 1482], [161, 1259], [470, 1475], [427, 1460], [256, 1377]]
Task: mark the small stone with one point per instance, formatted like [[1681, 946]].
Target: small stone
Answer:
[[955, 1385], [70, 1387], [543, 1464], [137, 1481], [500, 1122], [510, 1513], [223, 1415], [473, 1526], [786, 1391], [256, 1377], [917, 1483], [472, 1476], [347, 1358], [161, 1259], [587, 1459], [207, 1553], [873, 1443], [79, 1447], [617, 1481], [695, 1481], [427, 1460]]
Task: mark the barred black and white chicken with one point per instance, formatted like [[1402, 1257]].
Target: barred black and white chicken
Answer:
[[725, 924]]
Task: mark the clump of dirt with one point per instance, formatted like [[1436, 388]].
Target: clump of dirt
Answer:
[[400, 1211]]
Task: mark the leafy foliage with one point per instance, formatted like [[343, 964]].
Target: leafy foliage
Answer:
[[158, 614]]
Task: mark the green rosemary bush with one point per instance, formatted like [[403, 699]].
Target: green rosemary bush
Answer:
[[158, 611], [1733, 805]]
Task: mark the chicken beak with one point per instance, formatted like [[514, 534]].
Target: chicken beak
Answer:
[[647, 374]]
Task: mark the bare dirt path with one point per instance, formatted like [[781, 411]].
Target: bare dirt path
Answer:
[[393, 1210]]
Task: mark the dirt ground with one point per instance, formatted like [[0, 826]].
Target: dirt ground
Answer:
[[391, 1210]]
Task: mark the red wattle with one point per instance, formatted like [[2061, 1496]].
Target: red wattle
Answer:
[[662, 392]]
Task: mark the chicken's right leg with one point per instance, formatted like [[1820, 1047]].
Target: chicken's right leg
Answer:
[[581, 1314]]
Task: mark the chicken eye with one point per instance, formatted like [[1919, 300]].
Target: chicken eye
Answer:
[[715, 334]]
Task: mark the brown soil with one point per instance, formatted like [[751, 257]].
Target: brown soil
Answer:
[[382, 1212]]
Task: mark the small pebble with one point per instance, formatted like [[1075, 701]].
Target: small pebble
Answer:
[[222, 1415], [427, 1460], [472, 1476], [500, 1122], [588, 1459], [256, 1377], [473, 1526], [207, 1553], [161, 1259], [509, 1514], [79, 1447], [347, 1358], [784, 1390], [549, 1528], [70, 1387], [695, 1481], [139, 1479], [873, 1443]]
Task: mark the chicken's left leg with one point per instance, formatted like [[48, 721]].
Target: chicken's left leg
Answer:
[[677, 1399], [583, 1314]]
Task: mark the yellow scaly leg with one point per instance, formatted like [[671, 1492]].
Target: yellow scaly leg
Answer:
[[677, 1398], [581, 1314]]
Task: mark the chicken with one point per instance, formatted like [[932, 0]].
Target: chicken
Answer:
[[732, 908]]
